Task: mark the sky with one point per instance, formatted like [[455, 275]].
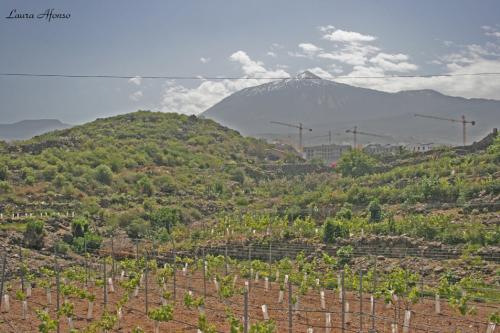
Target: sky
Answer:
[[337, 40]]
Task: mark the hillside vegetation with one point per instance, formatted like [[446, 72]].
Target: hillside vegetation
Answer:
[[131, 163], [154, 174]]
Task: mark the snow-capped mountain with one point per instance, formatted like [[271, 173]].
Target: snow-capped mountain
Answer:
[[325, 105]]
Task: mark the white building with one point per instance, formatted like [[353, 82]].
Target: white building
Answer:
[[327, 153]]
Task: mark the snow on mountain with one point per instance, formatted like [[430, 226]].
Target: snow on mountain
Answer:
[[327, 105]]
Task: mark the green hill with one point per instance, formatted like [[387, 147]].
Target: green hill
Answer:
[[131, 162]]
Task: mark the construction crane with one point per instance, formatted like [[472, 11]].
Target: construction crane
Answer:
[[462, 120], [329, 136], [355, 133], [299, 126]]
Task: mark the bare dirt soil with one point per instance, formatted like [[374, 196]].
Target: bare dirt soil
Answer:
[[310, 314]]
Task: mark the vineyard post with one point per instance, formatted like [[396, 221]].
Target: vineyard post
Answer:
[[137, 249], [87, 273], [225, 257], [105, 284], [22, 268], [146, 281], [290, 318], [112, 257], [4, 263], [175, 280], [58, 288], [250, 266], [361, 301], [270, 257], [373, 294], [204, 274], [175, 268], [245, 309], [342, 291], [422, 279]]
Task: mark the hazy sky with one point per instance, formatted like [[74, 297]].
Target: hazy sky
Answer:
[[257, 38]]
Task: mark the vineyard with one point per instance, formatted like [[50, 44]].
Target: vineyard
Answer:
[[151, 288], [152, 222]]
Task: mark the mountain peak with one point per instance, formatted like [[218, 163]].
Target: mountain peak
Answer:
[[307, 75]]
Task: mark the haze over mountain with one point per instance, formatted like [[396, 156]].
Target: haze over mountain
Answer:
[[27, 129], [325, 105]]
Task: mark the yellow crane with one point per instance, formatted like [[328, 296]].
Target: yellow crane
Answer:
[[355, 133], [461, 120], [299, 126]]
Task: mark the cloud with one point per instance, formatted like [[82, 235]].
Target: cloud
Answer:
[[309, 48], [136, 96], [253, 68], [321, 73], [205, 60], [393, 62], [181, 99], [352, 54], [491, 31], [355, 55], [470, 86], [326, 28], [344, 36], [136, 80]]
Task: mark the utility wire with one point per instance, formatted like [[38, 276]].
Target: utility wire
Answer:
[[167, 77]]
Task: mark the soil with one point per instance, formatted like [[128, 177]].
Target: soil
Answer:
[[310, 314]]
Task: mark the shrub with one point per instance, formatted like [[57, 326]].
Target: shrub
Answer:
[[356, 163], [345, 213], [3, 172], [137, 228], [375, 211], [238, 175], [58, 181], [4, 187], [93, 242], [145, 186], [103, 174], [166, 217], [166, 184], [49, 173], [333, 230], [61, 247], [34, 234], [344, 255], [79, 227]]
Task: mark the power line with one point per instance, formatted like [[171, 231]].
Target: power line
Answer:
[[168, 77]]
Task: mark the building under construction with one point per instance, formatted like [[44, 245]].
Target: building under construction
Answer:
[[326, 153]]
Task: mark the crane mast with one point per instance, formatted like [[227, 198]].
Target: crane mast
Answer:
[[299, 126]]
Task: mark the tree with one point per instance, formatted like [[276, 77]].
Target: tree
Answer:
[[3, 172], [333, 230], [375, 211], [79, 227], [34, 234], [145, 186], [104, 174], [356, 163], [166, 217], [345, 213], [137, 228]]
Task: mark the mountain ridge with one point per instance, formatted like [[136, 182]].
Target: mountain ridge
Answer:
[[28, 128], [327, 105]]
